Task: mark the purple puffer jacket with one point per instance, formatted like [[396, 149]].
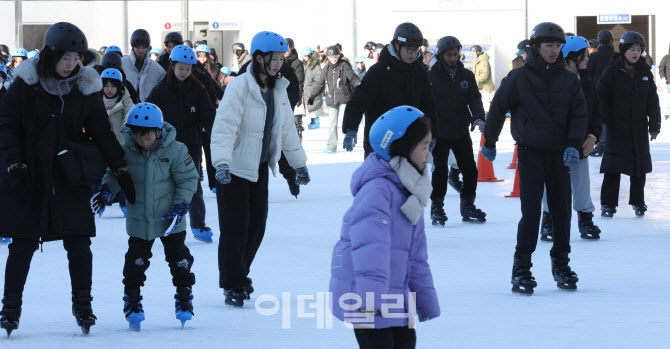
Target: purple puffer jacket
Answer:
[[380, 251]]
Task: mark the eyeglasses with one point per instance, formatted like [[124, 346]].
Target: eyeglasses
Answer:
[[412, 50]]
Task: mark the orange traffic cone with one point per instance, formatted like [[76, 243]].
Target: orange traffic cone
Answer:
[[514, 162], [485, 167], [515, 191]]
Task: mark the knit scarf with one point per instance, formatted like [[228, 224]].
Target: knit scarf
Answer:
[[109, 102], [418, 184]]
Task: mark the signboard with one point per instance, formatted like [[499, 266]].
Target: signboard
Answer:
[[614, 19], [174, 26], [226, 25]]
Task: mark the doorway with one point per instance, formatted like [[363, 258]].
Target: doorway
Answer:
[[588, 27]]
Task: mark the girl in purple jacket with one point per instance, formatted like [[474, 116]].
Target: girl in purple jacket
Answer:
[[380, 277]]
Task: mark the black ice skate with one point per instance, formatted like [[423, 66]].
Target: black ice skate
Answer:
[[640, 210], [470, 212], [11, 312], [81, 309], [455, 180], [437, 214], [607, 211], [587, 229], [565, 278], [547, 227], [132, 308], [249, 288], [523, 281], [236, 296]]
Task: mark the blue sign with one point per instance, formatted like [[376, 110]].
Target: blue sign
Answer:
[[215, 25], [614, 19]]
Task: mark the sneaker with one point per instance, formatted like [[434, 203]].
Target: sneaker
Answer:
[[203, 234]]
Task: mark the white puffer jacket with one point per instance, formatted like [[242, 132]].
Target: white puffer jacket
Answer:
[[145, 79], [237, 135]]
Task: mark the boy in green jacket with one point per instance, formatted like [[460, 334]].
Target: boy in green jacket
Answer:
[[165, 179]]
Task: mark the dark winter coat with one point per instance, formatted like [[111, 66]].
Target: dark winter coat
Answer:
[[389, 83], [312, 77], [298, 69], [47, 207], [547, 105], [337, 83], [214, 90], [594, 125], [599, 60], [287, 72], [457, 100], [189, 110], [631, 109]]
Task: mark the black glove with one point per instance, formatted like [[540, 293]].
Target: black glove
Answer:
[[302, 176], [126, 183], [310, 100]]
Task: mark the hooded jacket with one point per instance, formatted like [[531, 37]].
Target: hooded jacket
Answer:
[[631, 109], [337, 82], [46, 206], [146, 78], [380, 250], [164, 176], [482, 70], [547, 105]]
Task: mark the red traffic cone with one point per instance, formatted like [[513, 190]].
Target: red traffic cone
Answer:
[[514, 162], [485, 167], [515, 191]]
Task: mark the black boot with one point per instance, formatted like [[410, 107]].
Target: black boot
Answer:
[[547, 227], [563, 275], [455, 180], [249, 288], [236, 296], [607, 211], [470, 212], [437, 213], [82, 311], [132, 307], [523, 281], [183, 304], [640, 210], [587, 229], [11, 312]]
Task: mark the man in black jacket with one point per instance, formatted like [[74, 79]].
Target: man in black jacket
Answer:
[[399, 78], [459, 104], [292, 59], [598, 61], [549, 120]]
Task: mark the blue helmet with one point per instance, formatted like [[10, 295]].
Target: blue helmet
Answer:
[[225, 70], [114, 48], [156, 51], [145, 115], [268, 42], [32, 54], [111, 73], [390, 127], [3, 72], [307, 51], [360, 59], [574, 44], [202, 48], [20, 52], [183, 54]]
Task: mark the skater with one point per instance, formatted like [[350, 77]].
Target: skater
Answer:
[[241, 55], [208, 63], [629, 102], [291, 58], [548, 129], [113, 61], [382, 247], [427, 55], [186, 106], [598, 61], [140, 70], [521, 54], [155, 53], [459, 106], [166, 179], [51, 165], [337, 83], [399, 78], [312, 76], [360, 67], [254, 124], [576, 56], [19, 55]]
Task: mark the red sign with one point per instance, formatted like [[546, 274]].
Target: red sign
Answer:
[[168, 26], [176, 26]]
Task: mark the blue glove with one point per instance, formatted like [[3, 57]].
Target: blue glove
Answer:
[[223, 174], [100, 199], [350, 140], [478, 123], [489, 153], [653, 135], [301, 176], [431, 147], [177, 214], [570, 156]]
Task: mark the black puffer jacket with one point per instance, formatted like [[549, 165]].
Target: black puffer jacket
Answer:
[[47, 207], [337, 82], [298, 69], [598, 61], [188, 109], [457, 99], [547, 104], [595, 126], [630, 107], [389, 83], [214, 90]]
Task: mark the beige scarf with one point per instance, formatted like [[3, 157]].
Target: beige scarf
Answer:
[[416, 183]]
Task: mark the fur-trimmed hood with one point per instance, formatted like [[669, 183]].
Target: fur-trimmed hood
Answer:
[[87, 80]]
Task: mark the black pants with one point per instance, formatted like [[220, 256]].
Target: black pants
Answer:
[[243, 212], [197, 210], [386, 338], [211, 171], [465, 159], [609, 192], [21, 252], [177, 256], [538, 168]]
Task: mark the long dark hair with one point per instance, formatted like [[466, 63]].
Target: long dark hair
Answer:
[[120, 89], [256, 69], [171, 79], [46, 64]]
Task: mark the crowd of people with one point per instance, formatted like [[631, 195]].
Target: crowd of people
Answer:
[[81, 129]]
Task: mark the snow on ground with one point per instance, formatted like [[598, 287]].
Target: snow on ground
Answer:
[[621, 301]]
